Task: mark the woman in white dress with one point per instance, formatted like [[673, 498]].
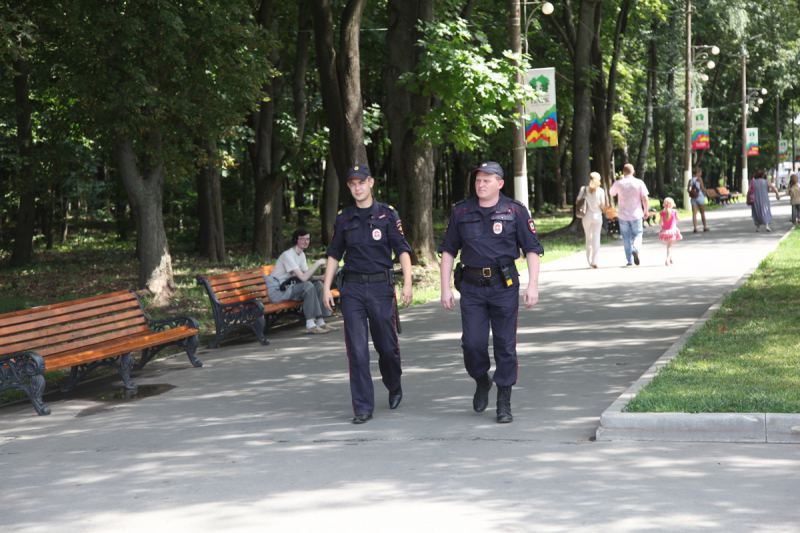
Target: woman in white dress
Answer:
[[595, 198]]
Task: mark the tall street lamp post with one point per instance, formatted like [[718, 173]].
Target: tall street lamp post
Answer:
[[746, 94], [687, 171], [519, 152]]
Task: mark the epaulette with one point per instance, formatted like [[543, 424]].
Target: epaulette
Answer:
[[460, 202], [516, 201]]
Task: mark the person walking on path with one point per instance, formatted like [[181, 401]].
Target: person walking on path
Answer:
[[290, 279], [633, 206], [697, 195], [758, 198], [794, 196], [365, 234], [489, 229], [595, 199], [670, 233]]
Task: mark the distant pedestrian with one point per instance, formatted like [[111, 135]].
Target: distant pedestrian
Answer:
[[758, 198], [633, 207], [697, 197], [670, 233], [794, 196], [594, 198]]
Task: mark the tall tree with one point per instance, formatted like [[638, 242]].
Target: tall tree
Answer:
[[146, 80], [412, 158]]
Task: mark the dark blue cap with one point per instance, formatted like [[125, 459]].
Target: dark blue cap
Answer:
[[489, 167], [360, 172]]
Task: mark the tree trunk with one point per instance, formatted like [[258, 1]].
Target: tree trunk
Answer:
[[412, 165], [669, 132], [211, 238], [582, 98], [350, 80], [145, 193], [329, 82], [330, 200], [659, 172], [263, 158], [644, 145], [22, 252]]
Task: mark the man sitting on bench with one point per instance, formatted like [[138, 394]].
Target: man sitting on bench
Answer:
[[291, 280]]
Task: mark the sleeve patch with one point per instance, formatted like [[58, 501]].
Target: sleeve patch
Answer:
[[400, 227], [531, 226]]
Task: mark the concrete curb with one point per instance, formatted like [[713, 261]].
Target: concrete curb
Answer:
[[617, 425]]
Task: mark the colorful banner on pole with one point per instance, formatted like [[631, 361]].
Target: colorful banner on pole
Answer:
[[783, 149], [700, 132], [752, 141], [541, 122]]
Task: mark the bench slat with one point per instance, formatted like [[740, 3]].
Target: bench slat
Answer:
[[53, 334], [64, 308], [117, 347], [77, 337], [86, 343], [119, 309]]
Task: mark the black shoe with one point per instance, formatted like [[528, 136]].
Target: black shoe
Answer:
[[481, 399], [504, 405], [395, 396], [363, 417], [635, 258]]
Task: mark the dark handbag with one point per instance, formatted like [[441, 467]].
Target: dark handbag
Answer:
[[694, 190], [751, 193], [580, 204]]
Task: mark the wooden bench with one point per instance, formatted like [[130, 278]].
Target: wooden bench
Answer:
[[240, 299], [82, 335], [713, 196]]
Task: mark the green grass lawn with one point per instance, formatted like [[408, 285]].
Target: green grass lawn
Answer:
[[747, 357]]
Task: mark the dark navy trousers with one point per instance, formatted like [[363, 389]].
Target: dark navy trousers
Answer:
[[481, 307], [370, 305]]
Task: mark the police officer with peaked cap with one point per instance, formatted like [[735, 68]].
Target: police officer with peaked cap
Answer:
[[365, 235], [489, 229]]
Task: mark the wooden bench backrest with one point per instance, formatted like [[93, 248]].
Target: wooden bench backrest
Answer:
[[240, 285], [711, 193], [56, 328]]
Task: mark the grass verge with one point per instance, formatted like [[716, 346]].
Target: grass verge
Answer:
[[746, 358]]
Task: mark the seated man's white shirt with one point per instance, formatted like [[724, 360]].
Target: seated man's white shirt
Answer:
[[287, 263]]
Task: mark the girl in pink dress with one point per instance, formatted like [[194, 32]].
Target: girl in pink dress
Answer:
[[669, 227]]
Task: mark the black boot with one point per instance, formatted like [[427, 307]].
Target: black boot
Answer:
[[481, 399], [504, 404], [395, 396]]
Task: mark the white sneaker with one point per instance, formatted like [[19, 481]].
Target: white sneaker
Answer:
[[768, 228]]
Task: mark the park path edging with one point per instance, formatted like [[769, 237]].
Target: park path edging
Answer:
[[618, 425]]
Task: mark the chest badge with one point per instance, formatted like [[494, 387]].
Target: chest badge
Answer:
[[376, 234], [497, 228]]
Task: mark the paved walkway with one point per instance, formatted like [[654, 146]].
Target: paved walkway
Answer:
[[260, 439]]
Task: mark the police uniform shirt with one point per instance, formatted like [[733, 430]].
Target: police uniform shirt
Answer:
[[490, 236], [366, 238]]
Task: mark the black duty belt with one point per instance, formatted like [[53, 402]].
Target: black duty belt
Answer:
[[483, 276], [357, 277]]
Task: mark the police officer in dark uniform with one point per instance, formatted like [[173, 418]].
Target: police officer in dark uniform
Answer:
[[366, 234], [490, 229]]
